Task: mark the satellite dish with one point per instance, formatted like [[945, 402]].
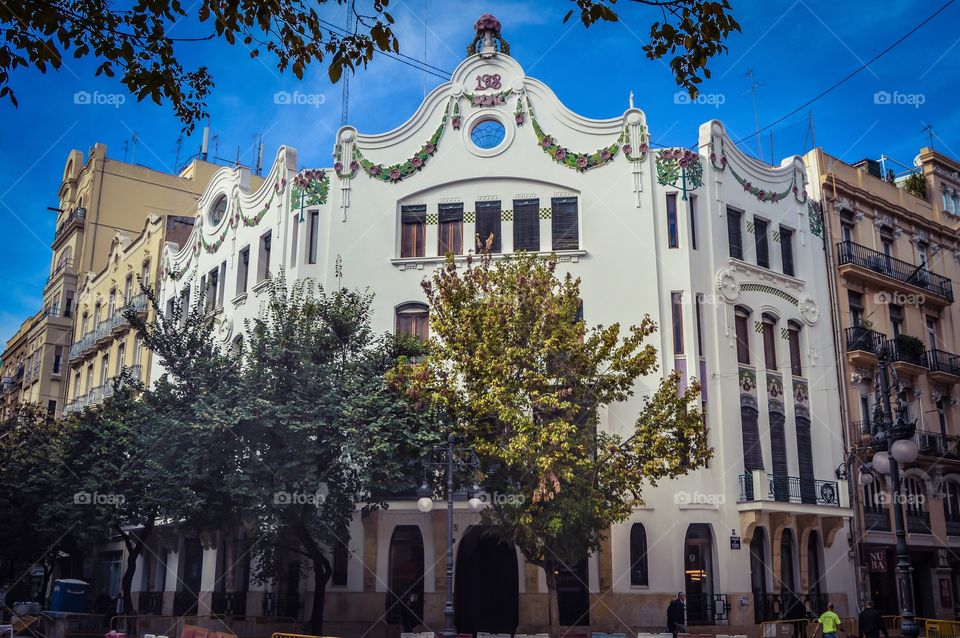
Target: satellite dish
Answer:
[[916, 161]]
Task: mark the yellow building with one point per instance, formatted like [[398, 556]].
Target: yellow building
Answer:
[[98, 197], [103, 341], [895, 259], [17, 365]]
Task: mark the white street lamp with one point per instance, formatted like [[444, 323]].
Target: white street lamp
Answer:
[[904, 450], [881, 462]]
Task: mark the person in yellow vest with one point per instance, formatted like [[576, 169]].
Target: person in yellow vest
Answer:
[[829, 622]]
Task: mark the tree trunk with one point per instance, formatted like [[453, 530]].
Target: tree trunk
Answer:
[[135, 543], [553, 607], [322, 571], [49, 563]]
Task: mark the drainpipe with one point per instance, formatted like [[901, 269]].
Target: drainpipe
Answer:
[[841, 384]]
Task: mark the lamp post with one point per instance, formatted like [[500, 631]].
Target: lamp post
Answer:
[[894, 444], [462, 458]]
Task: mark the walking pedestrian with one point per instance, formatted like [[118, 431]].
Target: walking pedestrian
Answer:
[[677, 615], [830, 622], [871, 622]]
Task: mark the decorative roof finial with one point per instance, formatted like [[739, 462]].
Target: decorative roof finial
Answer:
[[631, 99], [487, 35]]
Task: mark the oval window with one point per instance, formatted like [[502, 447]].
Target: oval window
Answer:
[[218, 210], [488, 134]]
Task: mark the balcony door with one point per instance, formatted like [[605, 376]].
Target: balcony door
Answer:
[[698, 574]]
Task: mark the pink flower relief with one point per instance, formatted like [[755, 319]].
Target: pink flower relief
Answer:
[[338, 167], [643, 147], [761, 195], [561, 154], [605, 155], [354, 165], [374, 169], [582, 162], [519, 118], [456, 123], [627, 149], [395, 175], [430, 148], [416, 162], [746, 186]]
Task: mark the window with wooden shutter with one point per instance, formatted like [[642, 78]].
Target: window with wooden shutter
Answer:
[[808, 486], [565, 223], [526, 224], [413, 319], [793, 339], [750, 432], [742, 326], [488, 224], [786, 250], [769, 342], [451, 228], [676, 313], [761, 243], [673, 228], [413, 222], [734, 233], [778, 456]]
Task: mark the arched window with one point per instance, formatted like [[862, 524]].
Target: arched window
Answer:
[[758, 573], [815, 573], [769, 331], [742, 326], [793, 338], [413, 319], [639, 575], [788, 580], [405, 597]]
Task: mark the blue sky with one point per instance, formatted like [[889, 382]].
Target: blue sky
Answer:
[[796, 48]]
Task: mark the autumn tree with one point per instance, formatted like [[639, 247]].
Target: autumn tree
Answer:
[[525, 381], [137, 42]]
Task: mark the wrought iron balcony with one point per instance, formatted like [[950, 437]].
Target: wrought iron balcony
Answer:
[[859, 338], [872, 261], [229, 603], [953, 526], [918, 522], [908, 350], [877, 519], [945, 363], [281, 605], [76, 218], [792, 489]]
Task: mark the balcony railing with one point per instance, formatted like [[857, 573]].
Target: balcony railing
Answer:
[[942, 361], [918, 522], [229, 603], [284, 605], [953, 526], [899, 270], [76, 217], [937, 444], [792, 489], [864, 339], [150, 602], [899, 351], [877, 519]]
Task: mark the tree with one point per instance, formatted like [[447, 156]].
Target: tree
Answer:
[[916, 185], [327, 432], [136, 40], [525, 380], [37, 491]]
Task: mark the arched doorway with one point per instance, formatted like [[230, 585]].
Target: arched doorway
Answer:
[[758, 575], [815, 574], [698, 574], [405, 598], [487, 586], [788, 580]]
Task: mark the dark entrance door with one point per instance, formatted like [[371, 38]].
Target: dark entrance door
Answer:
[[487, 586], [573, 596], [697, 561], [758, 575], [923, 594], [185, 600]]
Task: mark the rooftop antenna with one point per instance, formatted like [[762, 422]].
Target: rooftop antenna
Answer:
[[260, 154], [176, 161], [126, 147], [206, 142], [345, 105], [425, 48], [754, 85], [133, 150], [216, 145], [929, 130], [631, 99]]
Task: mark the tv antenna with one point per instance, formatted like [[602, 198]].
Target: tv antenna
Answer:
[[928, 129], [345, 104], [754, 85]]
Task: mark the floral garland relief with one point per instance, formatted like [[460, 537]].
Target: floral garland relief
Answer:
[[580, 162], [309, 188], [676, 165], [398, 172]]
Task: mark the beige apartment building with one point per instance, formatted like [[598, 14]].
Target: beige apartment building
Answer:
[[894, 258], [98, 197], [103, 341]]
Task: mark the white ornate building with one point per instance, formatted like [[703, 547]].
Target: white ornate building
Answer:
[[723, 251]]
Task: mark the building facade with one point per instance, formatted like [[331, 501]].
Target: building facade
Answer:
[[103, 342], [724, 252], [894, 258], [98, 197]]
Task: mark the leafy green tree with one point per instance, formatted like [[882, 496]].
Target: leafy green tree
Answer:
[[326, 430], [36, 491], [138, 42], [525, 380]]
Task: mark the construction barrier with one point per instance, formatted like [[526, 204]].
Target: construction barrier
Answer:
[[933, 628], [801, 628], [173, 626], [283, 635]]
